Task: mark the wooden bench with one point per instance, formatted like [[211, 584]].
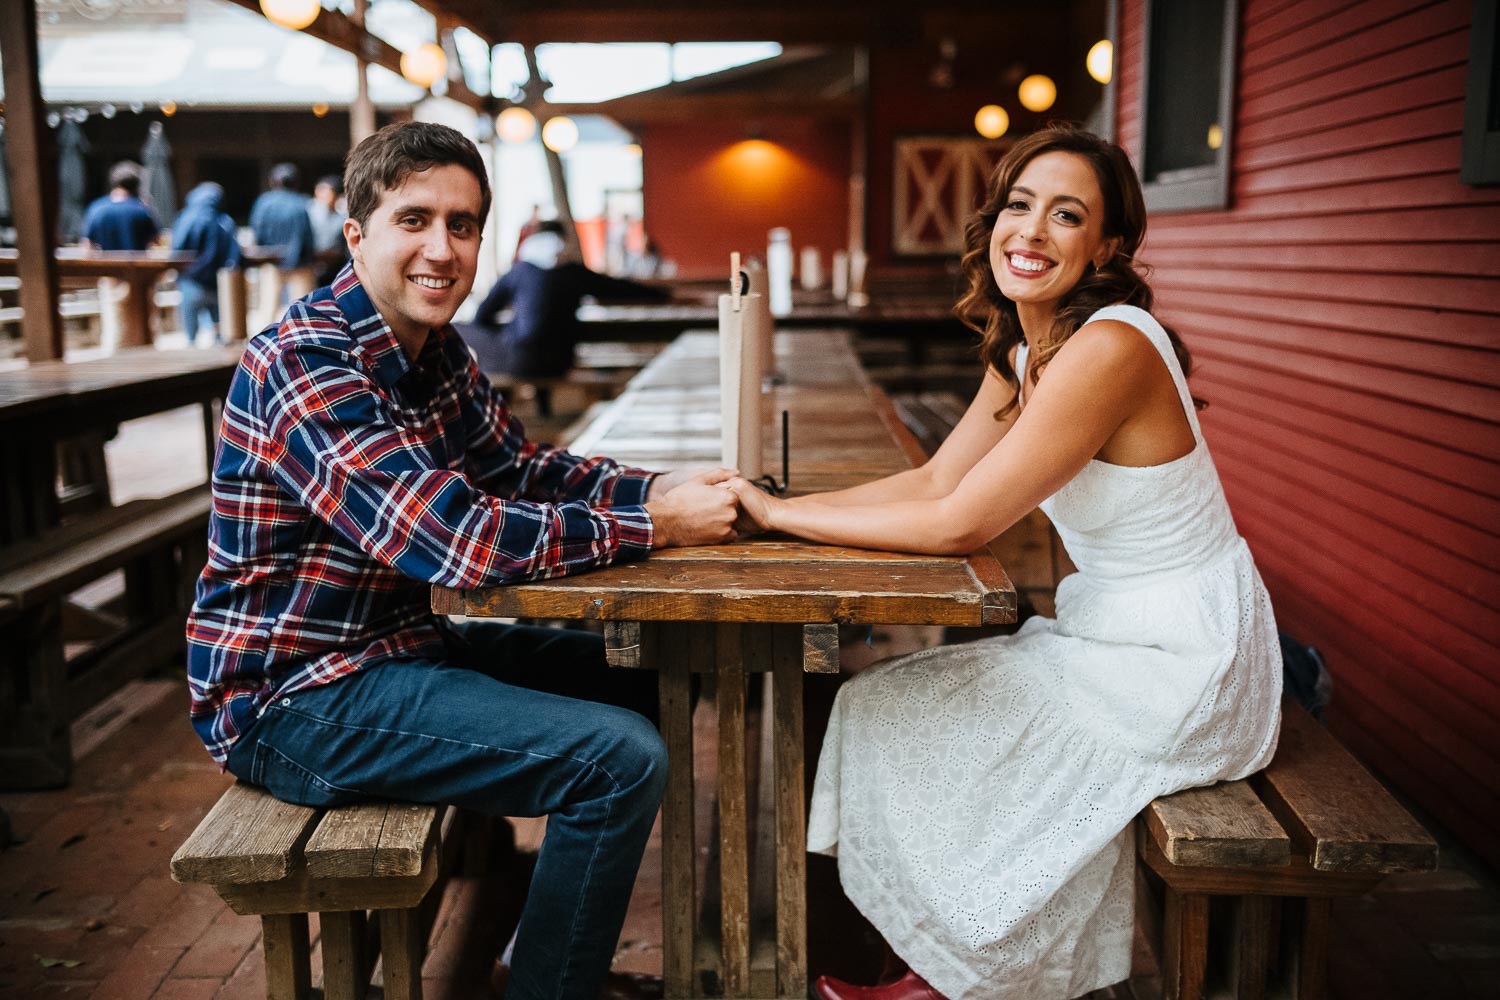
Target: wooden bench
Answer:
[[161, 545], [1237, 879], [372, 872]]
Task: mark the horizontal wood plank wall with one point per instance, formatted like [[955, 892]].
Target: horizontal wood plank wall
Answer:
[[1344, 316]]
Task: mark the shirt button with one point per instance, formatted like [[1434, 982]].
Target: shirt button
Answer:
[[285, 702]]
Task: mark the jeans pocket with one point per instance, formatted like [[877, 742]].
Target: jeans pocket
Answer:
[[289, 781]]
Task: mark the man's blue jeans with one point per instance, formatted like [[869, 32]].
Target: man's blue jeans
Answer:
[[499, 728]]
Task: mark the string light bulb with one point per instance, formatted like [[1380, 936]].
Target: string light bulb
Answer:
[[991, 121], [515, 125], [294, 14], [1101, 60], [424, 65], [560, 134], [1037, 92]]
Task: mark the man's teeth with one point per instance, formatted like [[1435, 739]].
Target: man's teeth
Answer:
[[431, 282], [1028, 263]]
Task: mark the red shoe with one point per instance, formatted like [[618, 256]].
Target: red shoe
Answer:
[[909, 987]]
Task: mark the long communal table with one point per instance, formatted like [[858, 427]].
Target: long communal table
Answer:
[[45, 403], [140, 270], [771, 604]]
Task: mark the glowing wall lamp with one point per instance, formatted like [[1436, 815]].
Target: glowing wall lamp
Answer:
[[1037, 92], [294, 14], [560, 134], [424, 65], [515, 125], [991, 121], [1101, 60]]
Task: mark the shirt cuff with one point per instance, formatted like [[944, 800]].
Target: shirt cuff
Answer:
[[629, 488], [634, 532]]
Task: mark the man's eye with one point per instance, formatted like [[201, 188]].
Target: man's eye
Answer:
[[411, 220]]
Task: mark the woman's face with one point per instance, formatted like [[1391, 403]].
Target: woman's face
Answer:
[[1049, 231]]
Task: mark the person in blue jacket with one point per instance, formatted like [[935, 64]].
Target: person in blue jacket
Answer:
[[204, 230], [542, 291], [279, 219]]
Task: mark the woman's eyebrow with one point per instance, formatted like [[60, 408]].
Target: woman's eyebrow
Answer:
[[1062, 197]]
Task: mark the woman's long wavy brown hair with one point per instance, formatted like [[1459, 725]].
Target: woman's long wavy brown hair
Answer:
[[1121, 281]]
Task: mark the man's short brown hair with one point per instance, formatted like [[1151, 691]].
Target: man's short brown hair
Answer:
[[382, 162]]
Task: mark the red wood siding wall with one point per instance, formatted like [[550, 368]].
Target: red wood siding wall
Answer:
[[1343, 316]]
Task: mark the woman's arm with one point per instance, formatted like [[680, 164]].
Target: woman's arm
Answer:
[[1093, 385], [969, 441]]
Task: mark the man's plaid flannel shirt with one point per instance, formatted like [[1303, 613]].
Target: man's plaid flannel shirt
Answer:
[[347, 480]]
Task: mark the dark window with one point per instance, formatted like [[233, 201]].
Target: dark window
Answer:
[[1481, 157], [1188, 103]]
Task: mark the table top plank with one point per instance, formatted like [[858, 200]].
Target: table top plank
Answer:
[[52, 386], [843, 431]]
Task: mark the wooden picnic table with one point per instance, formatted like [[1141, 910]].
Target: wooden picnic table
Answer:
[[771, 604], [48, 402], [138, 269]]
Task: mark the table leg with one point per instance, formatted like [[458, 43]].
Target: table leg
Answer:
[[791, 821], [137, 313], [679, 891], [233, 305], [734, 868]]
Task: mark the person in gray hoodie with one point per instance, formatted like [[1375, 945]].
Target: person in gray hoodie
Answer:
[[204, 230]]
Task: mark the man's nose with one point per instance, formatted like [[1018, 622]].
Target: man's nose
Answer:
[[439, 244]]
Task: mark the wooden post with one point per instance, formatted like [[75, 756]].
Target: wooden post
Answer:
[[346, 971], [401, 949], [362, 111], [1186, 945], [32, 152]]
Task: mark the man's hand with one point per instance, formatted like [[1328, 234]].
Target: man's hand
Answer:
[[669, 481], [701, 511]]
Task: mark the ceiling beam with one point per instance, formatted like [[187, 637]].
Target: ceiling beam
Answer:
[[648, 108], [338, 30]]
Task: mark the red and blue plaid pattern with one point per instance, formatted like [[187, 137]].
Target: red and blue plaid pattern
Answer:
[[347, 480]]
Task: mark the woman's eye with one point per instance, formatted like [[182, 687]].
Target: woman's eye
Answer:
[[1069, 217], [1017, 205]]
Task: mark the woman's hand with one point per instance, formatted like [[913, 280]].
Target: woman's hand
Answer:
[[757, 508], [668, 481]]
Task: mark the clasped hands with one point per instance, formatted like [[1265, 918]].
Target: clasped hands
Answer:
[[706, 507]]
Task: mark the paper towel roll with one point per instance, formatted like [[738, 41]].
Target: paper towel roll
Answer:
[[740, 337], [779, 271], [840, 269], [812, 269]]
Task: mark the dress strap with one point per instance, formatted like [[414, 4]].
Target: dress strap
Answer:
[[1157, 334]]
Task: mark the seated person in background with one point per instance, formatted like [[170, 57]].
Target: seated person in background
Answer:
[[542, 290], [120, 220], [365, 458], [327, 216], [204, 230]]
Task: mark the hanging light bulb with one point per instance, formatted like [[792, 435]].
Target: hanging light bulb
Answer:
[[294, 14], [424, 65], [169, 108], [1101, 60], [991, 121], [1037, 92], [560, 134], [320, 109], [515, 125]]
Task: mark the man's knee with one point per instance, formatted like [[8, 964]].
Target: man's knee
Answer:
[[636, 756]]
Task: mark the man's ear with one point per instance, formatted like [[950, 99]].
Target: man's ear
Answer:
[[352, 236]]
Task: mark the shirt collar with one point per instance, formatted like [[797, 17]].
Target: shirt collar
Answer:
[[370, 332]]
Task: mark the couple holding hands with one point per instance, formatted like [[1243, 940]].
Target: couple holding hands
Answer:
[[978, 797]]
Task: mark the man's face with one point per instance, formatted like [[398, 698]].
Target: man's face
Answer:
[[418, 253]]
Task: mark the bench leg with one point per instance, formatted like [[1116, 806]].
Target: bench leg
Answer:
[[35, 751], [346, 969], [1310, 981], [402, 948], [1251, 947], [1184, 963], [288, 970]]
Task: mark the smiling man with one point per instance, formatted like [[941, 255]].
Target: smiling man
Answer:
[[362, 458]]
